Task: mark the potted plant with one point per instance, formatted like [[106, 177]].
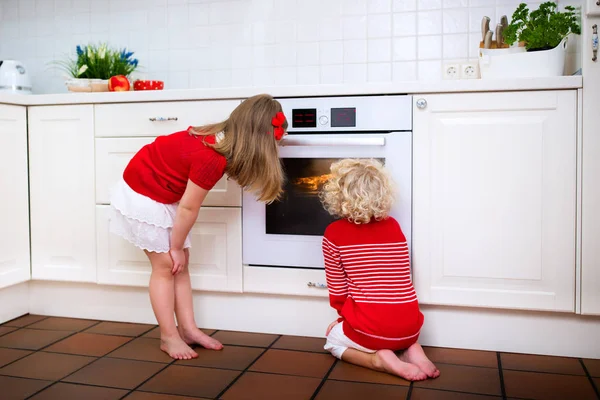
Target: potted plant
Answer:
[[543, 36], [95, 65]]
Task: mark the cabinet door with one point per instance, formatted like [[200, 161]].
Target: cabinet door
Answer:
[[14, 210], [61, 146], [494, 199], [113, 155], [215, 256]]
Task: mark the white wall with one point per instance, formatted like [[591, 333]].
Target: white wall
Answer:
[[221, 43]]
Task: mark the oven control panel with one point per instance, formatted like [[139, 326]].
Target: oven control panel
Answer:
[[347, 114]]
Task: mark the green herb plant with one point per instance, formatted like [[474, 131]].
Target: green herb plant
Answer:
[[542, 29], [98, 62]]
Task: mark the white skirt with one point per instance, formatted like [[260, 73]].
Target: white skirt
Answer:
[[145, 223]]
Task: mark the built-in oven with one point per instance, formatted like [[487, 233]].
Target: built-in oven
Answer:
[[288, 232]]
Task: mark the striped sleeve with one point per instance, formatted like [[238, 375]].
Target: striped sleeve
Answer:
[[336, 277]]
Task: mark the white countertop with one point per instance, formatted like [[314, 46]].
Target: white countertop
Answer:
[[452, 86]]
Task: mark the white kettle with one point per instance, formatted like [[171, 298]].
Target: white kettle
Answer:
[[14, 78]]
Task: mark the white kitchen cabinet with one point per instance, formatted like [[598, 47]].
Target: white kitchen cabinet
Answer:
[[14, 207], [113, 155], [61, 148], [494, 199], [215, 256]]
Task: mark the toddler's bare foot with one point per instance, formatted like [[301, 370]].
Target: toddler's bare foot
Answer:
[[415, 355], [176, 348], [386, 360], [196, 336]]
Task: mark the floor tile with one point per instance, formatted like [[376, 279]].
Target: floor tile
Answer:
[[46, 366], [143, 349], [300, 343], [191, 381], [336, 390], [461, 378], [155, 333], [253, 385], [245, 339], [528, 362], [593, 367], [24, 320], [67, 391], [119, 329], [7, 329], [88, 344], [543, 386], [348, 372], [289, 362], [31, 339], [473, 358], [116, 373], [158, 396], [9, 355], [231, 357], [430, 394], [63, 324], [19, 388]]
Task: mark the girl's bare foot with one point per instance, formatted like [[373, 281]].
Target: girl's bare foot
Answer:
[[196, 336], [415, 355], [387, 361], [176, 348]]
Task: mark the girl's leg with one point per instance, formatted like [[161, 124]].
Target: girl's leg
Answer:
[[162, 297], [184, 310], [384, 361], [415, 355]]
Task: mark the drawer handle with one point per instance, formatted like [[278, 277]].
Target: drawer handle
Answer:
[[161, 119], [317, 285]]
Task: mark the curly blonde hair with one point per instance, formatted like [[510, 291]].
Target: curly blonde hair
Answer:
[[358, 190]]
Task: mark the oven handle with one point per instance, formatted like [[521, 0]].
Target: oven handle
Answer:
[[332, 141]]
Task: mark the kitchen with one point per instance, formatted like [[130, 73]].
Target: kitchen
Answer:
[[501, 220]]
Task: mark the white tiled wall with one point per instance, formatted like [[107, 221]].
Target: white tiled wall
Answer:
[[220, 43]]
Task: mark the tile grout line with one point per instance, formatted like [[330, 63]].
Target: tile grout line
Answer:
[[589, 376], [410, 389], [501, 373], [318, 389], [247, 368]]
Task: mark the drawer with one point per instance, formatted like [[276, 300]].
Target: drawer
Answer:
[[154, 119], [285, 281], [113, 155]]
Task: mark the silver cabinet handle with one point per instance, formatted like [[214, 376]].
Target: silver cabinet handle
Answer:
[[317, 285], [421, 104], [162, 119], [595, 42]]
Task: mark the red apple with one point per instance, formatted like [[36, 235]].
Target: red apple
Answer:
[[118, 83]]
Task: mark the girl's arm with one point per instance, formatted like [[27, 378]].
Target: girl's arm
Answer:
[[187, 213]]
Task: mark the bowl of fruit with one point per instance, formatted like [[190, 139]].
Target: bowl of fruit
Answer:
[[148, 85]]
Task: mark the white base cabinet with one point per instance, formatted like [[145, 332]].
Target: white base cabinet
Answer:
[[215, 256], [494, 199], [14, 206], [61, 150]]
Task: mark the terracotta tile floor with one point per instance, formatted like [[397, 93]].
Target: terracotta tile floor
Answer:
[[47, 358]]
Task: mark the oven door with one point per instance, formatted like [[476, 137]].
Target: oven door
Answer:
[[288, 233]]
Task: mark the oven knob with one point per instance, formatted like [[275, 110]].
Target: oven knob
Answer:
[[323, 120], [421, 104]]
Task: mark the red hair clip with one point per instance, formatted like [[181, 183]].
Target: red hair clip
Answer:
[[277, 123]]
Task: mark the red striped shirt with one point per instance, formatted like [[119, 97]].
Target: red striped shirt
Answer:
[[370, 285]]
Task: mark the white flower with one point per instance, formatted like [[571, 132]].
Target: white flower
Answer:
[[82, 69], [89, 51], [102, 52]]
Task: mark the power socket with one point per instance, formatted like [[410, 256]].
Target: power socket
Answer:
[[451, 71], [469, 70]]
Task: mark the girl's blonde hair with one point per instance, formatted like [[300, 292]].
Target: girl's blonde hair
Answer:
[[358, 190], [250, 147]]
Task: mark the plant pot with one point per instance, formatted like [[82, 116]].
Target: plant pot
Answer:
[[99, 85], [78, 85], [516, 63]]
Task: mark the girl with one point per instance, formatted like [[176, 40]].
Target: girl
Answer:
[[156, 203], [368, 275]]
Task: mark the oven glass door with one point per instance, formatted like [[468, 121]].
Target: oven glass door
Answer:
[[288, 233]]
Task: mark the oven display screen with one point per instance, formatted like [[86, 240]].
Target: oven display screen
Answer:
[[343, 117], [304, 118]]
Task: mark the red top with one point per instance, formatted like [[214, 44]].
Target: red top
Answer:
[[369, 282], [161, 169]]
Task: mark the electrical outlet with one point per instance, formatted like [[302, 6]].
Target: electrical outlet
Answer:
[[451, 71], [469, 70]]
